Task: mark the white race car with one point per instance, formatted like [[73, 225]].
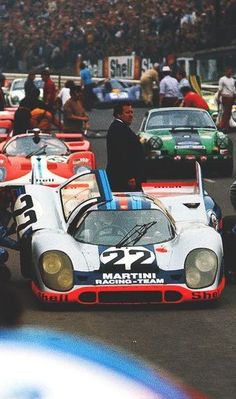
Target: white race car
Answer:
[[82, 243], [17, 91]]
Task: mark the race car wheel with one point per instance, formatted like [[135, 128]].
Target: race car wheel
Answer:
[[229, 245], [25, 258]]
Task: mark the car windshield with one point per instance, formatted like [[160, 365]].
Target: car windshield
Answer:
[[18, 84], [26, 145], [111, 227], [180, 118], [116, 85]]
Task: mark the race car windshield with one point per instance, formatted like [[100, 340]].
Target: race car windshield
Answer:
[[25, 145], [180, 118], [112, 228]]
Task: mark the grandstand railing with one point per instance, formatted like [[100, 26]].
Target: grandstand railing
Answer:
[[60, 80]]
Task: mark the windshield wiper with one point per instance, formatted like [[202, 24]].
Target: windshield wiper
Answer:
[[38, 151], [135, 234]]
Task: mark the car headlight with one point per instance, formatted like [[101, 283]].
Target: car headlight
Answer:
[[222, 142], [155, 143], [200, 268], [80, 168], [2, 174], [56, 270]]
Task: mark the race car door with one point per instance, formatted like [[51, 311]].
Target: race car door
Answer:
[[89, 187], [40, 207]]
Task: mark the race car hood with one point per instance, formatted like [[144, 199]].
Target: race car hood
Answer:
[[199, 140], [38, 169], [149, 264]]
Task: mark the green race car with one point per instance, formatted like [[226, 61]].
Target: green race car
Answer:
[[177, 137]]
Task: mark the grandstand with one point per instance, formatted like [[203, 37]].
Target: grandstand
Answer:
[[35, 33]]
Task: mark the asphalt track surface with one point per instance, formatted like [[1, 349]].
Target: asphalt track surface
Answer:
[[196, 343]]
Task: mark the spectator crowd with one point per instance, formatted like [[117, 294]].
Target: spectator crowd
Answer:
[[38, 33]]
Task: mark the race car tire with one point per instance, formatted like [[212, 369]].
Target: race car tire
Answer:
[[25, 258], [229, 246]]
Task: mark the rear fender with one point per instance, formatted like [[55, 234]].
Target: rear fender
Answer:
[[82, 159]]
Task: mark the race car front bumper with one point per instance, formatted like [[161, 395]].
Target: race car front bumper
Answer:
[[129, 294]]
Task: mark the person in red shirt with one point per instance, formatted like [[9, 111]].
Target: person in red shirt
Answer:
[[49, 90], [192, 99]]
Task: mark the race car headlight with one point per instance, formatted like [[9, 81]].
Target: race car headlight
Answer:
[[155, 143], [222, 142], [80, 168], [2, 174], [200, 268], [56, 270]]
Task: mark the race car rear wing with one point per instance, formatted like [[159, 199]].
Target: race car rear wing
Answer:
[[183, 199], [176, 187]]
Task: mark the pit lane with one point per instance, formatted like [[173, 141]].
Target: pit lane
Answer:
[[197, 343]]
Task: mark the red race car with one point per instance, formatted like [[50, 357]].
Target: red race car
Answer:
[[41, 158], [6, 123]]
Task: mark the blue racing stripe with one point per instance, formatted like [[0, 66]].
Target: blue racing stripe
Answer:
[[136, 203], [140, 203], [111, 205], [105, 185]]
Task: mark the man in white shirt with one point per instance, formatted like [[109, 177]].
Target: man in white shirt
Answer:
[[169, 89], [226, 97], [64, 93]]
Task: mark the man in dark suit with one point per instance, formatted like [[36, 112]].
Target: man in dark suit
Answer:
[[125, 158]]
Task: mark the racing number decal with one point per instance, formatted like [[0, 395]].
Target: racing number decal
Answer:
[[26, 216], [111, 257], [144, 255], [127, 257]]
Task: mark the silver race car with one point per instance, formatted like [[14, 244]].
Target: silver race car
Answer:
[[81, 243]]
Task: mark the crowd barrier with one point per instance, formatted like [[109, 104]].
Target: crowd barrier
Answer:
[[60, 80]]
